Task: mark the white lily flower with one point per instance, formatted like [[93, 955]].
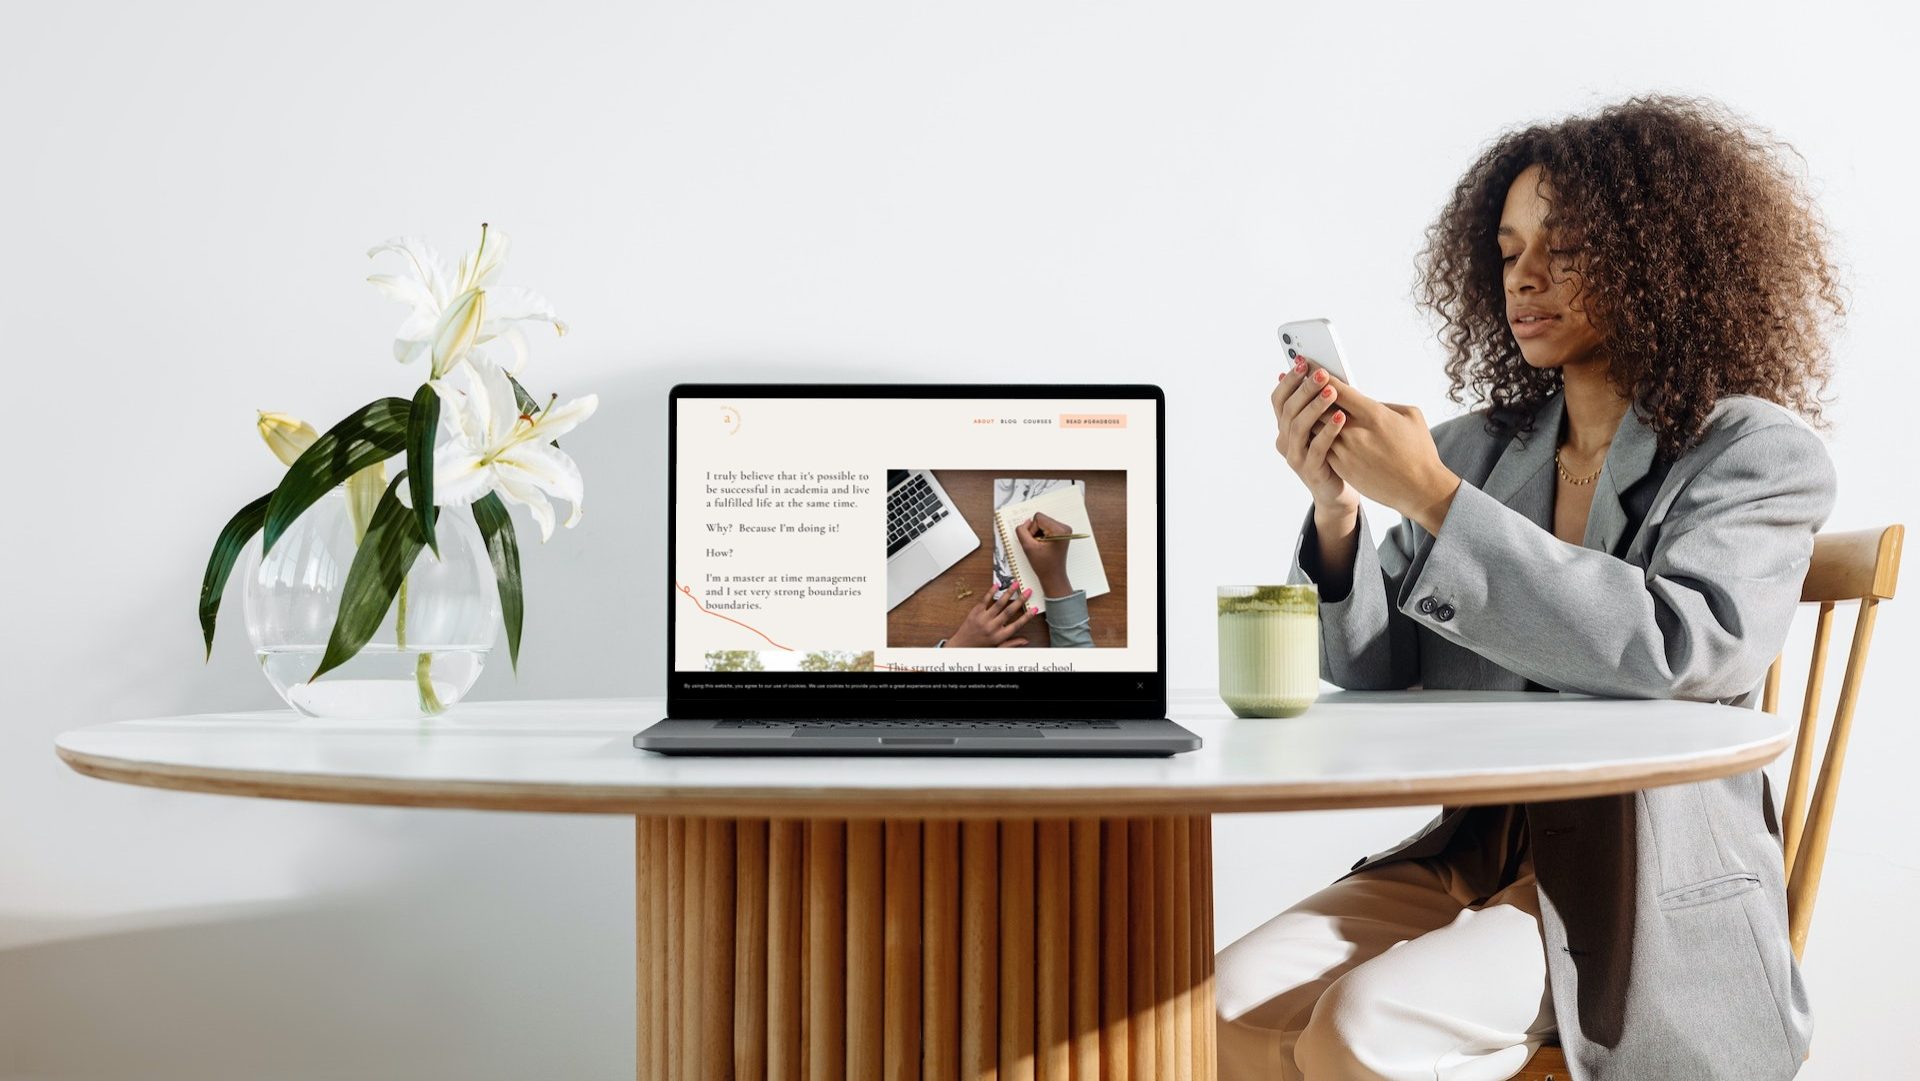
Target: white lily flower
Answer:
[[452, 314], [491, 446]]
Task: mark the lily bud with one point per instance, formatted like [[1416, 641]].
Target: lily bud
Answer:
[[287, 437], [459, 328]]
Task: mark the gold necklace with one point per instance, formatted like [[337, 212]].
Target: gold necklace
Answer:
[[1570, 478]]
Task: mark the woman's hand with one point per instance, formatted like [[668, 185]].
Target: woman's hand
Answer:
[[1048, 558], [1386, 452], [994, 621], [1303, 408]]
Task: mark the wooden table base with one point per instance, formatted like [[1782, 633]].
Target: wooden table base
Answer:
[[823, 949]]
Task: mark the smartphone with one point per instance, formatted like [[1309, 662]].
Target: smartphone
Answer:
[[1316, 338]]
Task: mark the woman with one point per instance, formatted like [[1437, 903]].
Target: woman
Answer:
[[1636, 297]]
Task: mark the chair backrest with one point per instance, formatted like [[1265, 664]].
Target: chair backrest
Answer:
[[1861, 566]]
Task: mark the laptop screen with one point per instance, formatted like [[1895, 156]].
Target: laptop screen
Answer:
[[852, 550]]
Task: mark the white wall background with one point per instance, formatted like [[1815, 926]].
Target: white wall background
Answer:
[[732, 191]]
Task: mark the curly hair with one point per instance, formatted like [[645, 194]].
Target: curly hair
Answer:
[[1702, 264]]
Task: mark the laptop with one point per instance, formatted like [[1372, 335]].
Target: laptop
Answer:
[[924, 535], [836, 559]]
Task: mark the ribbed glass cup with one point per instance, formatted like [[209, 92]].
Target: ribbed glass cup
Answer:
[[1269, 649]]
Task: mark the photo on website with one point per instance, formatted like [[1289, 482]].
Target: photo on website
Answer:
[[997, 558]]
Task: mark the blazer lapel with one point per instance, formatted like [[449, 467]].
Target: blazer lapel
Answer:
[[1629, 459], [1524, 456]]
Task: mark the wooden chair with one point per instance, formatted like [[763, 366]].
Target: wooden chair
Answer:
[[1860, 566]]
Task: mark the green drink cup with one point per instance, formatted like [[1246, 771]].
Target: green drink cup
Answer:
[[1269, 649]]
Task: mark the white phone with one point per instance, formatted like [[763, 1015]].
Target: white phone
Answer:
[[1316, 338]]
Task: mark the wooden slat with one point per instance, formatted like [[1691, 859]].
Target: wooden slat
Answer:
[[1164, 934], [1115, 940], [826, 1032], [1016, 950], [1083, 1005], [1181, 883], [647, 959], [693, 944], [866, 948], [1142, 938], [676, 871], [806, 956], [786, 891], [659, 873], [979, 950], [716, 986], [1053, 949], [750, 949], [940, 933], [1770, 695], [1804, 885], [1205, 1026], [901, 1056], [1804, 744]]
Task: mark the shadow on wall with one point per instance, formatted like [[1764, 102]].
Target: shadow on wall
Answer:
[[504, 949], [421, 944]]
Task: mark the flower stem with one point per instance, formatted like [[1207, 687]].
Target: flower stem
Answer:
[[400, 618], [423, 678]]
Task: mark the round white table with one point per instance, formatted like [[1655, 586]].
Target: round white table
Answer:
[[939, 918]]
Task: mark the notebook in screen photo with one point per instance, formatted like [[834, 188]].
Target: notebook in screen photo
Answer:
[[1014, 501]]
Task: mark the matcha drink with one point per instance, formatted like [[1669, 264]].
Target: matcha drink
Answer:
[[1269, 649]]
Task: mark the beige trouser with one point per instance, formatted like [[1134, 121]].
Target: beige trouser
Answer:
[[1390, 973]]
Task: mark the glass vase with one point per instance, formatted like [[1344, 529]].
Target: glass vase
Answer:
[[430, 646]]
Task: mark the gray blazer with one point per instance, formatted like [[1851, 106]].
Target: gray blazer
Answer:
[[1663, 911]]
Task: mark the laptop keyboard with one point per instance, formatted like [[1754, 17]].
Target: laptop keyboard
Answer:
[[961, 724], [912, 509]]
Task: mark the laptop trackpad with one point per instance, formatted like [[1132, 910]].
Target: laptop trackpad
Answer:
[[914, 566], [892, 733]]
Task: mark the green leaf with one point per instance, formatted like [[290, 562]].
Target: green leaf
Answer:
[[392, 543], [373, 434], [496, 527], [529, 405], [423, 423], [226, 549]]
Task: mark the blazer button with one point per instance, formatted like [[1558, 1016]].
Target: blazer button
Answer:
[[1426, 605], [1443, 613]]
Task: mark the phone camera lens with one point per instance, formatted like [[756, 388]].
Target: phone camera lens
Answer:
[[1291, 355], [1287, 338]]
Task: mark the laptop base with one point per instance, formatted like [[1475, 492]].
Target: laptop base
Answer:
[[1051, 738]]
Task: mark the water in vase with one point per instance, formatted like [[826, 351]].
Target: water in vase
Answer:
[[381, 682]]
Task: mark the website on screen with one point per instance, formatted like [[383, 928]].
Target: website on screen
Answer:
[[919, 543]]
